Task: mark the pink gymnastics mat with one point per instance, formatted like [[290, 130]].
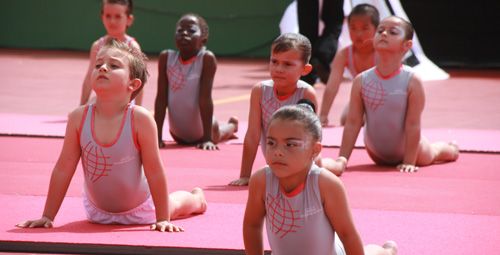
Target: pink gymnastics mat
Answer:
[[471, 140], [443, 209]]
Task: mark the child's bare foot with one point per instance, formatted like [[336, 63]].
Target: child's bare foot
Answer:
[[391, 247], [198, 192], [455, 150], [234, 122]]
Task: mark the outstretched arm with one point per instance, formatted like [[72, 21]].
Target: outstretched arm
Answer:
[[145, 131], [252, 137], [354, 121], [62, 174], [332, 86], [205, 99], [255, 212], [416, 102], [338, 212], [161, 100]]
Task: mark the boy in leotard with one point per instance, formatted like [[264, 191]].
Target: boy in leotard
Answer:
[[117, 17], [390, 99], [289, 61], [185, 80], [357, 57], [116, 141]]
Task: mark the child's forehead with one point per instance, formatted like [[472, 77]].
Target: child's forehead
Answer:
[[188, 20], [286, 128], [361, 18], [112, 53], [114, 8], [391, 22], [289, 54]]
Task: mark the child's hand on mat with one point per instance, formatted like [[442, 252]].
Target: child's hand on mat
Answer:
[[407, 168], [243, 181], [44, 222], [164, 225], [207, 146]]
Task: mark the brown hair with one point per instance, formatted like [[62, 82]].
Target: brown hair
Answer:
[[365, 10], [288, 41], [128, 3]]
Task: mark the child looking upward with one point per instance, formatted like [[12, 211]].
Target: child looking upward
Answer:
[[185, 80], [389, 98], [116, 142]]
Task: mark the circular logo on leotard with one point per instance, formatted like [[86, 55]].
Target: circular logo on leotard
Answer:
[[95, 163], [176, 78], [282, 217], [373, 94]]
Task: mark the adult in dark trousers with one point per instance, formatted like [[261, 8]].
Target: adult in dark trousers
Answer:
[[324, 45]]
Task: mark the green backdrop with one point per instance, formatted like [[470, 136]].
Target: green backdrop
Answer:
[[241, 28]]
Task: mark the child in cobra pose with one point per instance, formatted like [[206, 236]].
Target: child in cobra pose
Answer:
[[185, 80], [290, 55], [116, 141], [116, 16], [392, 99], [357, 57], [304, 206]]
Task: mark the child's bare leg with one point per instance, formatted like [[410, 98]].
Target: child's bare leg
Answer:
[[184, 203], [430, 153], [225, 131], [389, 248]]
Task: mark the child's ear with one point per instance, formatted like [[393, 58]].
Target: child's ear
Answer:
[[307, 69], [135, 84], [317, 149], [130, 20], [407, 45]]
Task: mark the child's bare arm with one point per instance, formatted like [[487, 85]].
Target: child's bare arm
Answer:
[[354, 120], [161, 100], [62, 174], [332, 86], [153, 168], [255, 212], [338, 212], [252, 137], [205, 99], [86, 86], [416, 102], [310, 93]]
